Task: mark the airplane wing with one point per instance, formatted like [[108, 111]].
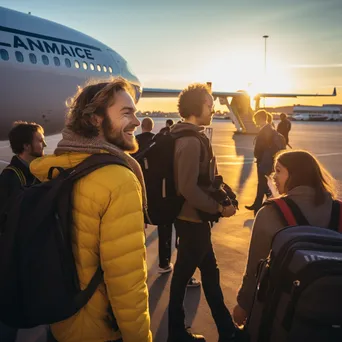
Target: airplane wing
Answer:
[[158, 92], [257, 96]]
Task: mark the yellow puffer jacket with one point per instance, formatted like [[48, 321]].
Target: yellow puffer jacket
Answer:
[[108, 229]]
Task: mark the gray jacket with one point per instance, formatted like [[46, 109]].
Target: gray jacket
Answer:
[[188, 166]]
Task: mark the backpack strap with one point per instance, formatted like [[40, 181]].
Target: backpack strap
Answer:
[[95, 162], [90, 164], [191, 133], [290, 212], [19, 173], [84, 296], [87, 166], [336, 216], [84, 168]]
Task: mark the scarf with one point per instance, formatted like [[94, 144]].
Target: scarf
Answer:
[[72, 142]]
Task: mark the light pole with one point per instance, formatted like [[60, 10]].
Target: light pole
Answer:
[[265, 37], [265, 65]]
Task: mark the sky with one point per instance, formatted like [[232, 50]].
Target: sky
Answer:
[[170, 44]]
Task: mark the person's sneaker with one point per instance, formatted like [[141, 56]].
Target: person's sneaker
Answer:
[[193, 282], [187, 336], [250, 207], [166, 269]]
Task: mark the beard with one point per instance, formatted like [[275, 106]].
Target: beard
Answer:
[[36, 154], [117, 137]]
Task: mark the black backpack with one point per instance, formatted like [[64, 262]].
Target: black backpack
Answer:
[[157, 163], [299, 296], [276, 144], [39, 282]]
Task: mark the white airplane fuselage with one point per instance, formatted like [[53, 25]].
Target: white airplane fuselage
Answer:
[[41, 65]]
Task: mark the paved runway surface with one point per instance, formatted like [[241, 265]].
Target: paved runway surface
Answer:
[[230, 236]]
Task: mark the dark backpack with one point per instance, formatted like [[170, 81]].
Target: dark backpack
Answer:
[[157, 163], [39, 282], [276, 143], [299, 284]]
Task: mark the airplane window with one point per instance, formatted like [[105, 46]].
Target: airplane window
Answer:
[[98, 67], [85, 65], [92, 67], [56, 61], [67, 63], [19, 56], [110, 70], [45, 60], [77, 65], [33, 58], [104, 68], [4, 55]]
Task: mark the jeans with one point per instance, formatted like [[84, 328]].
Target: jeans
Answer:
[[164, 244], [195, 250]]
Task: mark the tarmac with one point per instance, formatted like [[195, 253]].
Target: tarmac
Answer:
[[230, 236]]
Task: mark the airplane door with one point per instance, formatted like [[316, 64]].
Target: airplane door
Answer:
[[117, 69], [123, 68]]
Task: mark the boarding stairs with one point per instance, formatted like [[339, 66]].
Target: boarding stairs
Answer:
[[241, 114]]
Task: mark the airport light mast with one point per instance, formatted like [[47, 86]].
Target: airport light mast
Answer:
[[265, 37], [265, 64]]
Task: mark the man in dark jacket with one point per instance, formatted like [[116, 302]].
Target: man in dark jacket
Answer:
[[146, 134], [167, 128], [195, 248], [263, 152], [284, 127], [27, 143]]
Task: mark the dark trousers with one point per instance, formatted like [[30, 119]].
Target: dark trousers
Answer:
[[262, 190], [195, 250], [164, 244]]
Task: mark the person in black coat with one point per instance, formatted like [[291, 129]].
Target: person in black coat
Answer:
[[284, 127], [264, 160], [167, 128], [146, 136], [27, 142]]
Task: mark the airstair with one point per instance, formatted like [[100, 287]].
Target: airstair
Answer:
[[241, 113]]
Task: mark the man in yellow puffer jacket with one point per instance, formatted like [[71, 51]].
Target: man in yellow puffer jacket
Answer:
[[108, 225]]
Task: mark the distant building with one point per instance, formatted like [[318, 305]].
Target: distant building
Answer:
[[329, 112]]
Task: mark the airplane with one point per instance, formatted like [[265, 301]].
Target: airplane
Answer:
[[42, 63]]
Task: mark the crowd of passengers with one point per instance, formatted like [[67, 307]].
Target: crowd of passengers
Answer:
[[108, 212]]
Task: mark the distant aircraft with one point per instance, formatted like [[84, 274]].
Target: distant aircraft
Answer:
[[42, 63]]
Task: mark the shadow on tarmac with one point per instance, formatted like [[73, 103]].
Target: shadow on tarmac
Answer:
[[247, 166]]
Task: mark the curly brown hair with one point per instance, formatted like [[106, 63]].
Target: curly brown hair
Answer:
[[191, 100], [93, 99]]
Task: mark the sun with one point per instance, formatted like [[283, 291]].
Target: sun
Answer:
[[246, 72]]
